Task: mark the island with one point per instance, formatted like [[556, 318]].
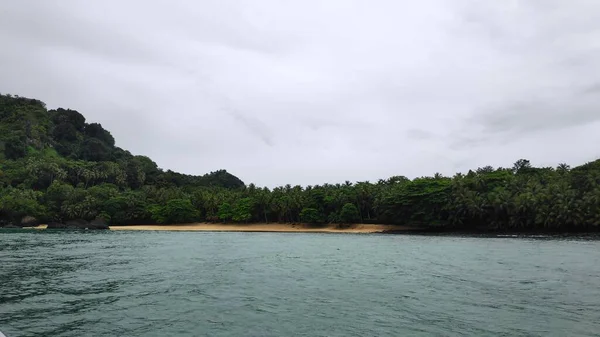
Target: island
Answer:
[[58, 171]]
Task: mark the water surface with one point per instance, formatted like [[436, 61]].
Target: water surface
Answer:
[[273, 284]]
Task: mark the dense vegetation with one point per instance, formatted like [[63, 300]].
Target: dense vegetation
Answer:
[[55, 166]]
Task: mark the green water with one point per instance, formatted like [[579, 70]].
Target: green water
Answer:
[[253, 284]]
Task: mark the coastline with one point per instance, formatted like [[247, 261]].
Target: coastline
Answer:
[[335, 228], [266, 227]]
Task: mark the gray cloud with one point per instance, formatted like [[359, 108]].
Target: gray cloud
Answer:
[[418, 134], [593, 89], [309, 91], [543, 114], [255, 125]]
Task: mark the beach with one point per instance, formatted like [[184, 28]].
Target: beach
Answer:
[[266, 227]]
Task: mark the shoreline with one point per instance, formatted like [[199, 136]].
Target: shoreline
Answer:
[[266, 227], [335, 228]]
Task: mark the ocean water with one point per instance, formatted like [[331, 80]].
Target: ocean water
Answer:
[[277, 284]]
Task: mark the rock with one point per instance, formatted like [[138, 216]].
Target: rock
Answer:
[[79, 224], [98, 223], [8, 224], [56, 225], [29, 221]]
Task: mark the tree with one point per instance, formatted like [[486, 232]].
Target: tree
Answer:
[[93, 149], [349, 213], [485, 169], [15, 146], [68, 116], [175, 211], [130, 207], [521, 166], [16, 203], [243, 209], [65, 133], [57, 194], [225, 212], [311, 215], [80, 205], [95, 130]]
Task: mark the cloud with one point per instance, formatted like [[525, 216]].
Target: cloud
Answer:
[[256, 126], [418, 134], [308, 92], [541, 115]]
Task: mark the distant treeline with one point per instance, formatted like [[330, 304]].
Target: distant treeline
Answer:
[[55, 167]]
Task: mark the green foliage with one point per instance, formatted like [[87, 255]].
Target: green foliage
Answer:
[[96, 131], [420, 201], [220, 178], [80, 204], [14, 146], [93, 149], [175, 211], [57, 194], [225, 212], [243, 210], [16, 203], [334, 217], [23, 122], [129, 208], [65, 133], [349, 213], [61, 141], [311, 215], [68, 116]]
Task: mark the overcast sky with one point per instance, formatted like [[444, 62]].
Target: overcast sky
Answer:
[[314, 91]]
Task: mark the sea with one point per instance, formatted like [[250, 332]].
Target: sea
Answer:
[[147, 283]]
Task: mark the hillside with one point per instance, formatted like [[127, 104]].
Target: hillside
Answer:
[[55, 166], [62, 136], [42, 150]]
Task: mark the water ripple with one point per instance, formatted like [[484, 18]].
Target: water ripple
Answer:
[[268, 284]]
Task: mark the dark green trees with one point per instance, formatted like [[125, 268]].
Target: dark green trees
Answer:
[[24, 122], [96, 131], [16, 203], [174, 211], [349, 214], [244, 209], [311, 216]]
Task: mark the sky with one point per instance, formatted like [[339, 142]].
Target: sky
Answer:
[[311, 91]]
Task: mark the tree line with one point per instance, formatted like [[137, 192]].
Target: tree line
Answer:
[[78, 173]]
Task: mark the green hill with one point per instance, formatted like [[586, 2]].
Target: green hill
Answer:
[[62, 136], [24, 123], [41, 150]]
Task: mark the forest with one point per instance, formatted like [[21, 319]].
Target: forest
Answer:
[[55, 166]]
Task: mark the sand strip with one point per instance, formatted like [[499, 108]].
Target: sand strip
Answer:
[[271, 227]]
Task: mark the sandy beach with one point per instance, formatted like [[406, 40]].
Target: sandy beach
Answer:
[[270, 227]]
